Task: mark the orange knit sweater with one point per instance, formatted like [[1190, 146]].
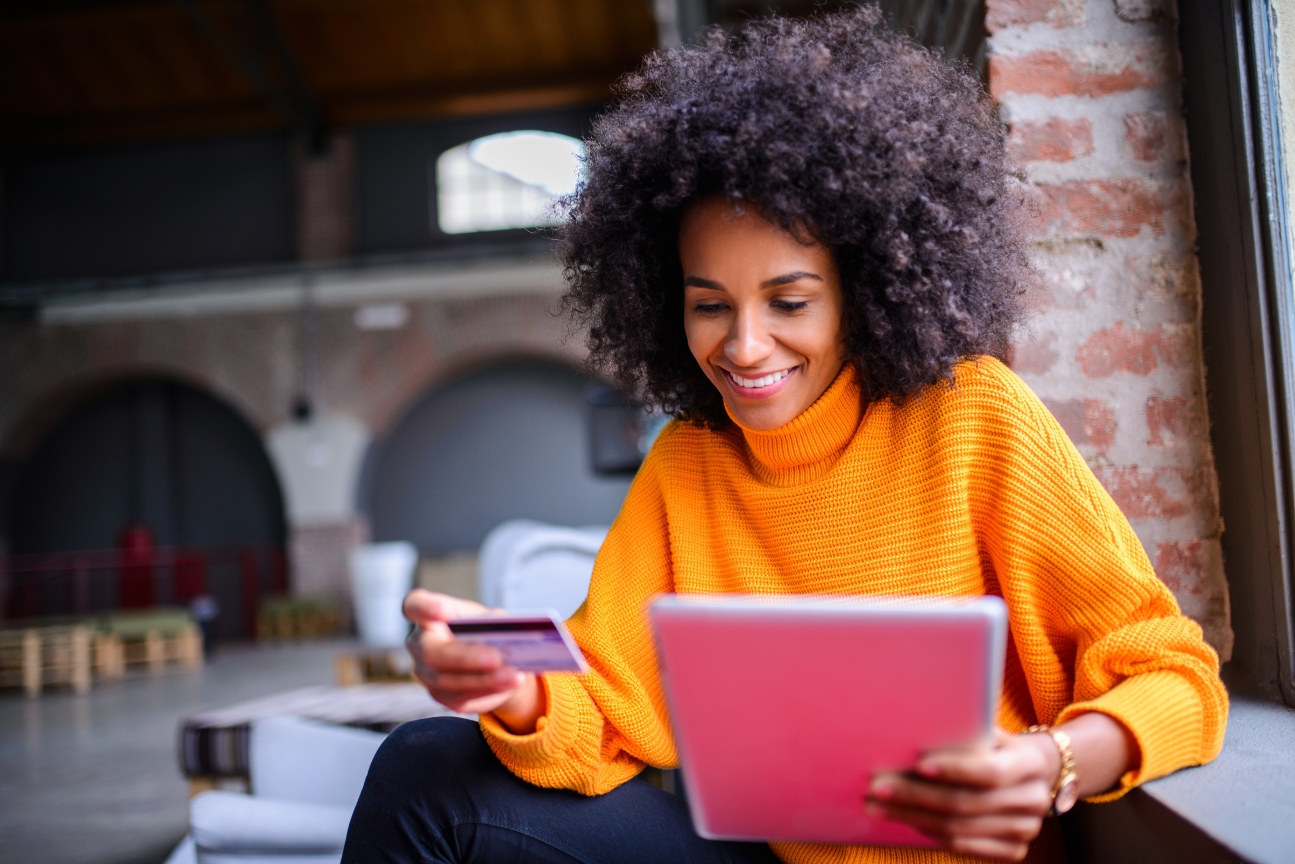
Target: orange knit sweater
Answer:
[[963, 490]]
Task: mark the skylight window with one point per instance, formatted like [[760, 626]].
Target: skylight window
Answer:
[[509, 180]]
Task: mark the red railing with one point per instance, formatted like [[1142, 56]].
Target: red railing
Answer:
[[104, 580]]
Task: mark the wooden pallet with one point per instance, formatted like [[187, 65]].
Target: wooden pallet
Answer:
[[109, 656], [155, 650], [300, 618], [62, 651], [372, 667], [38, 657], [149, 640], [240, 783]]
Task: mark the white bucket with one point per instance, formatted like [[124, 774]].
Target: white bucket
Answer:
[[381, 576]]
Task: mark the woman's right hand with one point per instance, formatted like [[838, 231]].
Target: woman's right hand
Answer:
[[464, 676]]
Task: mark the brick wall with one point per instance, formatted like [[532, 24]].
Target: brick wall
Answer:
[[324, 187], [1091, 94], [249, 359]]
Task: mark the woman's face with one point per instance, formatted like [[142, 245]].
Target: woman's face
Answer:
[[762, 312]]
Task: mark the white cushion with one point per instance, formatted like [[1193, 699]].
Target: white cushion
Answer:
[[184, 853], [494, 555], [206, 856], [293, 759], [236, 823], [530, 565]]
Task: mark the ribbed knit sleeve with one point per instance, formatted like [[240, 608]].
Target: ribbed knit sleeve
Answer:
[[600, 728], [1094, 628]]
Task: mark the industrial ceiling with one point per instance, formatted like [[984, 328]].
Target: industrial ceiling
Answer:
[[77, 73]]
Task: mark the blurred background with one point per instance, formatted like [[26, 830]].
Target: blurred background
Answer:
[[273, 284], [274, 287]]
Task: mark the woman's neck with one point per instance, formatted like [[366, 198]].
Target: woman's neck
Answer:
[[810, 444]]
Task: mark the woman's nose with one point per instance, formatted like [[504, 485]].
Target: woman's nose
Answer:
[[749, 342]]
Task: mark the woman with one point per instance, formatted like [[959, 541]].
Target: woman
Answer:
[[801, 243]]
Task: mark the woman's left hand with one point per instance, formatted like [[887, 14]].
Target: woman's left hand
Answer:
[[987, 801]]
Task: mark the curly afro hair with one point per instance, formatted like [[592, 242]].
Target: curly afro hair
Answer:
[[834, 127]]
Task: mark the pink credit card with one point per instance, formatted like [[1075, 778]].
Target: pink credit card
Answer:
[[783, 708], [532, 641]]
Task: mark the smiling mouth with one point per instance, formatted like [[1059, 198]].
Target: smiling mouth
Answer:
[[757, 383]]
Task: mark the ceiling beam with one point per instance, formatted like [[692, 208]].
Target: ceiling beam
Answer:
[[309, 109], [29, 135], [299, 107], [462, 102]]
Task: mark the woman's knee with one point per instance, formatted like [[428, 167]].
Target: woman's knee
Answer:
[[422, 752], [413, 792]]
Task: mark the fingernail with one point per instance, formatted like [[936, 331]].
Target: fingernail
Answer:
[[928, 769], [882, 789]]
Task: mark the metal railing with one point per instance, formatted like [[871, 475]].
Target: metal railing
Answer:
[[97, 581]]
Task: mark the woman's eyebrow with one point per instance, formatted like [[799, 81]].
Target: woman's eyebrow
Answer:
[[698, 282], [788, 278]]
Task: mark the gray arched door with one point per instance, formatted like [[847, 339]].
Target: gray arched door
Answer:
[[161, 458], [505, 442]]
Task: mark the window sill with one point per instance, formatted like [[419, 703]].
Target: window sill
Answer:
[[1240, 807]]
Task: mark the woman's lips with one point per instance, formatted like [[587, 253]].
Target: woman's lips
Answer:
[[761, 386]]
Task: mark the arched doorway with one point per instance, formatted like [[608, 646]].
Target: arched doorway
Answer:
[[162, 474], [505, 442]]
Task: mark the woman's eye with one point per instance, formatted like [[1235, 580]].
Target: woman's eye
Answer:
[[709, 308], [790, 305]]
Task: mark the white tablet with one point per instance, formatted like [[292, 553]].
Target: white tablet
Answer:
[[783, 708]]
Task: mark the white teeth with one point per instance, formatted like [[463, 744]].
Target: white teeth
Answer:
[[759, 382]]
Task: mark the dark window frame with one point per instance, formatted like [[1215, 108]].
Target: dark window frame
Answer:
[[1248, 324], [395, 189]]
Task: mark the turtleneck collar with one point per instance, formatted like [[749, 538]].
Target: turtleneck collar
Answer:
[[810, 443]]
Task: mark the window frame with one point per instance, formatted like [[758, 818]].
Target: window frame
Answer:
[[440, 191], [1247, 324], [392, 213]]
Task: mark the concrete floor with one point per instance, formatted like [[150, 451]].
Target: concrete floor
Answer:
[[95, 779]]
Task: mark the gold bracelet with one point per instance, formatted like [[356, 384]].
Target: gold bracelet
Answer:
[[1065, 792]]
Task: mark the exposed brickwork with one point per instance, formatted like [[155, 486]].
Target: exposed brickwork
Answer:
[[1134, 350], [1019, 13], [249, 359], [1088, 422], [1136, 11], [324, 195], [319, 557], [1053, 140], [1093, 70], [1152, 136], [1179, 566], [1100, 208], [1168, 421], [1154, 493], [1034, 356], [1090, 95], [1193, 570], [1099, 424]]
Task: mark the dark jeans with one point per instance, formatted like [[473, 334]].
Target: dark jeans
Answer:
[[435, 793]]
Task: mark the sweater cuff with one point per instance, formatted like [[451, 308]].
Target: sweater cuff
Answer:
[[1163, 712], [555, 733]]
